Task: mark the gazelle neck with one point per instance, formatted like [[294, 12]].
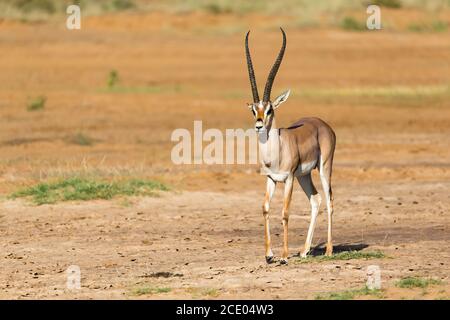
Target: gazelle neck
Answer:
[[270, 132], [269, 146]]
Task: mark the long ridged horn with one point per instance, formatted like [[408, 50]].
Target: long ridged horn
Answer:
[[251, 72], [274, 70]]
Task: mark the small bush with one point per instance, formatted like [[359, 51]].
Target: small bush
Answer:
[[351, 24], [37, 104], [113, 78]]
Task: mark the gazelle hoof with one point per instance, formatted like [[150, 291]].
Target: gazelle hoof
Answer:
[[269, 259], [283, 261], [303, 254]]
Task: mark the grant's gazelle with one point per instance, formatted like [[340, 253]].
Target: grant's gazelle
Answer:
[[288, 153]]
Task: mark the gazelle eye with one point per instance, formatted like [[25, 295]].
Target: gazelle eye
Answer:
[[269, 112], [253, 111]]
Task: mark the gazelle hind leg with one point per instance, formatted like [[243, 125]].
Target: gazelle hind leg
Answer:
[[270, 189], [325, 177], [314, 199]]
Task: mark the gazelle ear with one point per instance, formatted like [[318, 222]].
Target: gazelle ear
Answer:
[[280, 99], [250, 105]]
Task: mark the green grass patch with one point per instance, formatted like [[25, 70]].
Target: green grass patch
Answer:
[[350, 294], [37, 103], [416, 282], [149, 290], [345, 255], [84, 189]]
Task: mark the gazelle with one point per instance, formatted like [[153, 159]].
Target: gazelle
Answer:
[[289, 153]]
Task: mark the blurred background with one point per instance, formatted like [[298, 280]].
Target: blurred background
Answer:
[[104, 100], [88, 114]]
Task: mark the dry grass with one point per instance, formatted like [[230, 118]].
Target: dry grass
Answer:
[[302, 13]]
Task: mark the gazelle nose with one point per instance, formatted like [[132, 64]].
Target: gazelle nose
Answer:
[[258, 126]]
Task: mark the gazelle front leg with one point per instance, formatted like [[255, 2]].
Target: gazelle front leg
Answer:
[[270, 189], [285, 215]]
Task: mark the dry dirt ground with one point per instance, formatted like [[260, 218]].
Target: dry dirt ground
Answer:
[[204, 239]]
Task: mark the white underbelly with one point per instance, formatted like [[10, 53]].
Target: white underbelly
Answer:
[[279, 177], [275, 175], [305, 168]]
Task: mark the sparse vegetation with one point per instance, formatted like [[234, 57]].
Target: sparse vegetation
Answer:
[[395, 4], [435, 26], [416, 282], [319, 13], [87, 189], [216, 8], [37, 103], [143, 89], [210, 292], [350, 294], [27, 6], [149, 290], [122, 4], [81, 139], [346, 255], [199, 292], [351, 24]]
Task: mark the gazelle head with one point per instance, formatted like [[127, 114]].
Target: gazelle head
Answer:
[[264, 110]]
